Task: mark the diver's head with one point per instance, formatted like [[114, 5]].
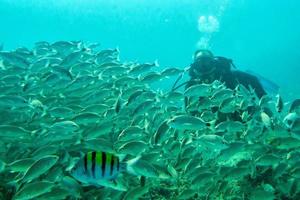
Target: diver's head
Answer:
[[201, 53], [203, 65]]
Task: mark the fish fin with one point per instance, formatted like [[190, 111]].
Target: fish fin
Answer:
[[117, 49], [2, 66], [100, 76], [140, 77], [112, 184], [156, 64]]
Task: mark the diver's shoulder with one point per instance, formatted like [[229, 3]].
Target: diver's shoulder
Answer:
[[241, 73], [244, 75]]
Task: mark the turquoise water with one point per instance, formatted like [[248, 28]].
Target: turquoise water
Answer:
[[73, 114], [259, 35]]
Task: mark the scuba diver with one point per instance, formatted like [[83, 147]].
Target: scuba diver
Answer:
[[208, 68]]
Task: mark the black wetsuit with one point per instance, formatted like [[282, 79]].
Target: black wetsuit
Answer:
[[224, 73], [231, 78]]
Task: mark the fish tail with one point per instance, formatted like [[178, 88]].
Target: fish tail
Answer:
[[3, 166], [143, 181], [129, 166], [211, 124], [123, 167], [15, 184]]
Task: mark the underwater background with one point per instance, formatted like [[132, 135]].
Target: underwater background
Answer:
[[261, 36], [83, 121]]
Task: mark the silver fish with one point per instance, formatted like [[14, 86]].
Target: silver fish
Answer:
[[185, 122], [295, 106], [200, 90], [39, 167], [33, 190]]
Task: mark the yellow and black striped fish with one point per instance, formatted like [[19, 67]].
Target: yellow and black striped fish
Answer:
[[95, 166]]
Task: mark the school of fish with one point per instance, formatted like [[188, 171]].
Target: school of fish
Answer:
[[77, 123]]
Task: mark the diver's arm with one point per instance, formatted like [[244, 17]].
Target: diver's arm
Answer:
[[260, 91]]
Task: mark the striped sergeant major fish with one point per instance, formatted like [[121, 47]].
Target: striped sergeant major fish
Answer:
[[100, 169]]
